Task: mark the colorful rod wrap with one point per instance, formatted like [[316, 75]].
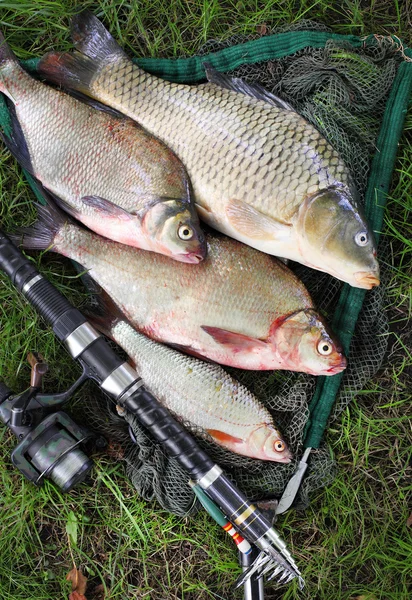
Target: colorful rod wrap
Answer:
[[215, 512]]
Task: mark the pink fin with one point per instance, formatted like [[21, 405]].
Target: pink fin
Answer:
[[238, 341], [223, 437], [254, 224]]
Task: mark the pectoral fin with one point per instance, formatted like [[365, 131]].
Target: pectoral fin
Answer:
[[250, 222], [106, 208], [237, 341], [224, 438]]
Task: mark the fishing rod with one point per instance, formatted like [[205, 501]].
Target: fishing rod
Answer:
[[122, 383]]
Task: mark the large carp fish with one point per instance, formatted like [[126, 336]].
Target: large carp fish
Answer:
[[242, 308], [261, 173]]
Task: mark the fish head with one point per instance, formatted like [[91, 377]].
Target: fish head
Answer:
[[266, 443], [334, 237], [173, 228], [304, 344]]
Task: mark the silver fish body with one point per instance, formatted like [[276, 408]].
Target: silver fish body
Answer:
[[260, 172], [109, 172], [203, 396], [240, 308]]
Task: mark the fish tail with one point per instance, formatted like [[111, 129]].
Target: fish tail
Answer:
[[95, 48], [90, 37], [105, 313], [6, 58], [6, 55], [41, 235], [69, 70]]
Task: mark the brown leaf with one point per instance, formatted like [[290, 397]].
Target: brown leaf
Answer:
[[409, 521], [262, 29], [368, 597], [79, 583], [76, 596]]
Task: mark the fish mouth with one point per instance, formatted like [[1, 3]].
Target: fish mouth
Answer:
[[367, 279], [193, 258], [284, 459], [335, 369]]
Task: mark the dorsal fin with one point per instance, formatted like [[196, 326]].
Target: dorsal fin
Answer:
[[238, 85]]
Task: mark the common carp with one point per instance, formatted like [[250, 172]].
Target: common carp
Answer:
[[199, 393], [107, 171], [241, 308], [261, 173]]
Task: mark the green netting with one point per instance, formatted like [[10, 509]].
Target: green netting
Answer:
[[355, 91]]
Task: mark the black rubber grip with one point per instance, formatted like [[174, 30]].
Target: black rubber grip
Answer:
[[12, 262], [52, 305], [166, 430], [101, 359]]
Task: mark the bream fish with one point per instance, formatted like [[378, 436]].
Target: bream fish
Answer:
[[199, 393], [241, 307], [108, 172], [261, 173]]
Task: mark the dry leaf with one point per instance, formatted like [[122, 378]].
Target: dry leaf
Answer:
[[409, 521], [262, 29], [368, 597], [79, 583], [76, 596]]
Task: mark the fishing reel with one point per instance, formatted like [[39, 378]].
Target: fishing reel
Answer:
[[50, 442]]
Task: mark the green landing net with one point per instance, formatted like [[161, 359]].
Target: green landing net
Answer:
[[356, 92]]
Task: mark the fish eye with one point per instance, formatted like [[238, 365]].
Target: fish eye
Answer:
[[361, 238], [324, 347], [279, 446], [185, 232]]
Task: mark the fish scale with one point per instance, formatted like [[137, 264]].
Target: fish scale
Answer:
[[175, 114]]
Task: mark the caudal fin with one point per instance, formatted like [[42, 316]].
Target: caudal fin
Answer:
[[95, 48], [41, 235], [91, 38], [6, 57], [105, 313], [68, 70]]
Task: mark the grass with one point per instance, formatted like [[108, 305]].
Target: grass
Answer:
[[353, 541]]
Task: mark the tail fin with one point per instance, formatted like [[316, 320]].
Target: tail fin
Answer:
[[95, 48], [69, 70], [6, 55], [105, 313], [90, 37], [40, 235]]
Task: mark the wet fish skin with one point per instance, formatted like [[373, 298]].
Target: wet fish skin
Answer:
[[260, 172], [243, 308], [109, 172], [199, 393]]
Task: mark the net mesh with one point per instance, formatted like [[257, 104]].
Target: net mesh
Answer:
[[342, 91]]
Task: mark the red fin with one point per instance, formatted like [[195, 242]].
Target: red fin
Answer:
[[236, 340], [223, 437]]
